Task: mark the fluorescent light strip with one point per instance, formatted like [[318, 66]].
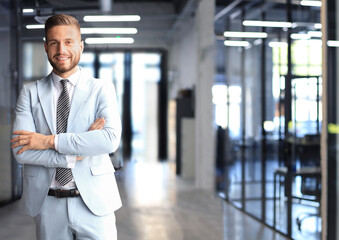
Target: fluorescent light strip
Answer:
[[277, 44], [266, 23], [27, 10], [94, 30], [317, 26], [310, 3], [332, 43], [109, 40], [236, 43], [314, 42], [245, 34], [112, 18], [35, 26], [108, 30], [314, 33]]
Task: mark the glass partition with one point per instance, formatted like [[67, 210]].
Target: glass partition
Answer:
[[270, 128]]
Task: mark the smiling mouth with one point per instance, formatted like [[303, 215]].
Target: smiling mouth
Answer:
[[62, 58]]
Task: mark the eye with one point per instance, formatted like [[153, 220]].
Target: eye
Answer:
[[52, 43]]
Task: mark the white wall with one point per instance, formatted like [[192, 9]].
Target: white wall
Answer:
[[183, 58], [191, 62]]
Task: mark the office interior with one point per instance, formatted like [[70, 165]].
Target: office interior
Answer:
[[234, 101]]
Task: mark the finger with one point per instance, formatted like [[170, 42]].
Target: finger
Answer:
[[98, 124], [19, 143], [15, 145], [18, 138], [21, 132], [14, 139], [94, 124], [24, 148]]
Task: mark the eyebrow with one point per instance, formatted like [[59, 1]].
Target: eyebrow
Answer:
[[67, 39]]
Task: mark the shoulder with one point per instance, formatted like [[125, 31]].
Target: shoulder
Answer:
[[99, 83], [33, 84]]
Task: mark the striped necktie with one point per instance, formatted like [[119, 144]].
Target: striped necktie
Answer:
[[63, 175]]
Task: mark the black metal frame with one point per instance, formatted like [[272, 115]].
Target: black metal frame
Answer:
[[332, 106]]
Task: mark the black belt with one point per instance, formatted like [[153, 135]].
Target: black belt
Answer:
[[61, 193]]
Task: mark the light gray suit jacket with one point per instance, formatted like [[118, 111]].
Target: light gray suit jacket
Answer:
[[94, 175]]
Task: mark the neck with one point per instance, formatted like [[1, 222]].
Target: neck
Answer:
[[66, 74]]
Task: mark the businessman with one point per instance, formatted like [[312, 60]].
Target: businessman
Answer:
[[65, 126]]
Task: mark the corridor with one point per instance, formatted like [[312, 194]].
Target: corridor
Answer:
[[158, 205]]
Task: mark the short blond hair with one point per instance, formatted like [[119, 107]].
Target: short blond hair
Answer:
[[60, 19]]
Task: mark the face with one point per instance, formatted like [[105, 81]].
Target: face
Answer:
[[64, 47]]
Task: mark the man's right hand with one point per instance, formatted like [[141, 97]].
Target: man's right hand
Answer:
[[98, 124]]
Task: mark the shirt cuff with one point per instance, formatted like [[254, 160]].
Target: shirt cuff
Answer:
[[56, 141], [70, 159]]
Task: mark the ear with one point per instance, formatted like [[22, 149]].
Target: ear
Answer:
[[45, 44], [82, 46]]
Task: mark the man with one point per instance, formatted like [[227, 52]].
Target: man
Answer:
[[65, 126]]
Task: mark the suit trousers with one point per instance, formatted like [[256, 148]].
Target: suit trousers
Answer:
[[69, 218]]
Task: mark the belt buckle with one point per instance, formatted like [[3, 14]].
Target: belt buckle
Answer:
[[72, 193]]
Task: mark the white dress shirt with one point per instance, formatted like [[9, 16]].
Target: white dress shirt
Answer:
[[57, 89]]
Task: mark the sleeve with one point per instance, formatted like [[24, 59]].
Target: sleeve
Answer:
[[96, 142], [24, 120], [71, 159]]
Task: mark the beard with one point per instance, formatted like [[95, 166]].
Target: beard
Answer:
[[64, 68]]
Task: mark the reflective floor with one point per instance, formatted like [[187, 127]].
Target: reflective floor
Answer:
[[158, 205]]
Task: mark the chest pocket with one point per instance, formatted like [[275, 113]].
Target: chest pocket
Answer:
[[101, 165]]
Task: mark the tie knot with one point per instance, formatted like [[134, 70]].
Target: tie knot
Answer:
[[63, 82]]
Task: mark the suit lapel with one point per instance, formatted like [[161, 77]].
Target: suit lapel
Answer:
[[80, 94], [45, 94]]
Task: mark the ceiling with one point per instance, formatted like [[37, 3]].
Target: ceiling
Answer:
[[230, 16], [60, 5], [159, 18]]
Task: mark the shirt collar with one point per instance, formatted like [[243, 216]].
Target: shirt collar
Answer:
[[73, 79]]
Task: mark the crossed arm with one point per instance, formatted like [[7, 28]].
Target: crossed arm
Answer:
[[36, 141]]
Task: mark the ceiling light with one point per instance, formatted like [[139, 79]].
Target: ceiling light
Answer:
[[35, 26], [108, 30], [314, 33], [245, 34], [236, 43], [332, 43], [300, 36], [112, 18], [27, 10], [277, 44], [266, 23], [317, 25], [314, 42], [310, 3], [116, 40]]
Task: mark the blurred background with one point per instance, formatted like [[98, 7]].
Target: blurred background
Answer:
[[229, 112]]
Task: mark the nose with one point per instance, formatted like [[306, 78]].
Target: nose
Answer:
[[61, 47]]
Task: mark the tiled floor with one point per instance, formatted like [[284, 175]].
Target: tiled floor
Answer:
[[158, 205]]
